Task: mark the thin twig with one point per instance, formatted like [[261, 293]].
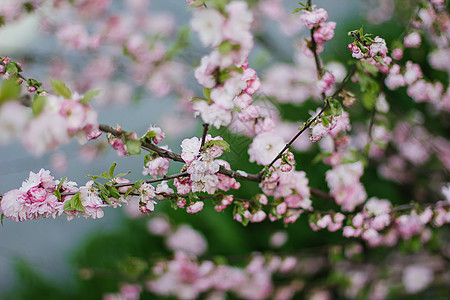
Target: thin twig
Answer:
[[177, 157], [308, 124], [205, 131], [119, 185]]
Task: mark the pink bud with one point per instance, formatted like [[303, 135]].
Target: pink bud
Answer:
[[181, 203], [281, 208], [258, 217], [195, 207]]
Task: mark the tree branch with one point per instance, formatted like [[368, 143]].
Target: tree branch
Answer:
[[205, 131], [308, 124]]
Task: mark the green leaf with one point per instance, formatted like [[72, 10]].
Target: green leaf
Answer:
[[61, 182], [138, 184], [133, 146], [129, 191], [225, 47], [335, 107], [224, 76], [368, 100], [3, 217], [113, 192], [74, 203], [111, 169], [61, 89], [38, 104], [222, 143], [89, 95], [104, 193], [33, 82], [197, 99], [207, 93], [10, 90], [379, 59], [57, 194], [12, 67], [104, 175], [122, 174], [147, 158], [325, 120]]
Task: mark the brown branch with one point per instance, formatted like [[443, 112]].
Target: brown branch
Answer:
[[118, 185], [177, 157], [205, 131]]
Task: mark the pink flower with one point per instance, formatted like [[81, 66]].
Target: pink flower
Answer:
[[259, 216], [91, 202], [37, 194], [325, 32], [326, 82], [13, 205], [252, 80], [187, 240], [417, 277], [119, 146], [209, 24], [156, 134], [181, 202], [213, 114], [281, 208], [397, 53], [205, 72], [412, 40], [13, 119], [378, 47], [74, 36], [130, 291], [237, 26], [313, 18], [356, 51], [163, 188], [195, 207], [183, 185], [45, 132], [249, 114], [413, 72], [318, 131], [158, 166], [146, 193], [394, 79]]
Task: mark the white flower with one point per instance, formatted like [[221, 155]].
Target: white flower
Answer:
[[190, 149], [208, 23], [265, 147]]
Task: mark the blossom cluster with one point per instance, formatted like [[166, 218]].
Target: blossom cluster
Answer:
[[224, 73], [373, 51], [36, 198], [202, 166], [314, 19], [59, 120], [186, 276]]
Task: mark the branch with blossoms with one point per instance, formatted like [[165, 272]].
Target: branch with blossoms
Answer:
[[229, 84]]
